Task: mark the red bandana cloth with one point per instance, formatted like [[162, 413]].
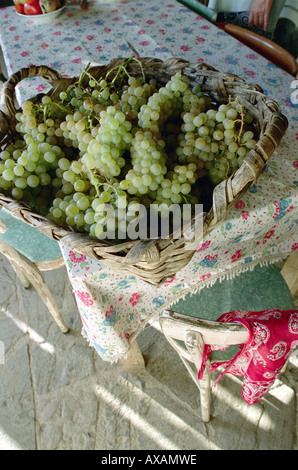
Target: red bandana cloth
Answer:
[[273, 334]]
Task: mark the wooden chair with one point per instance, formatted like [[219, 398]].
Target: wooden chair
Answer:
[[30, 252], [192, 322], [263, 46]]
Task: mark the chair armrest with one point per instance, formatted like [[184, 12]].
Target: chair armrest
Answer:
[[265, 47]]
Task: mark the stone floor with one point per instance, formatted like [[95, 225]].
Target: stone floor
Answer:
[[56, 392]]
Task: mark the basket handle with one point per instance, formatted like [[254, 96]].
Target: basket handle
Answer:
[[7, 102]]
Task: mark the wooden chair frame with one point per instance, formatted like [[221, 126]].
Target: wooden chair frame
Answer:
[[265, 47], [30, 273], [195, 333]]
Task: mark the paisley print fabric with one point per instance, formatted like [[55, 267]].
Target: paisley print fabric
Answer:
[[260, 360]]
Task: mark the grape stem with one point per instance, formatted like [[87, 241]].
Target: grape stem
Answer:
[[236, 101], [123, 66], [96, 183]]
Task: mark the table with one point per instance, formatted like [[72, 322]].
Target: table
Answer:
[[261, 228]]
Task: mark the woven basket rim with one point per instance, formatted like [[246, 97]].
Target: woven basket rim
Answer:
[[223, 84]]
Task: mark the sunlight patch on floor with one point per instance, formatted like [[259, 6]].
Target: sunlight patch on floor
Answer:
[[34, 336], [163, 415]]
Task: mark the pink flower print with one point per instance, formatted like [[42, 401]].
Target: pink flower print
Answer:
[[77, 61], [162, 31], [12, 28], [144, 43], [184, 48], [245, 215], [252, 56], [250, 73], [236, 255], [90, 38], [290, 209], [164, 15], [57, 33], [286, 102], [99, 48], [127, 335], [205, 27], [295, 164], [269, 234], [169, 282], [24, 54], [199, 39], [204, 246], [109, 312], [134, 299], [78, 48], [239, 205], [40, 88], [107, 30], [205, 276], [16, 38], [296, 135], [85, 298], [116, 18], [74, 259], [149, 22], [141, 31], [294, 247], [44, 45]]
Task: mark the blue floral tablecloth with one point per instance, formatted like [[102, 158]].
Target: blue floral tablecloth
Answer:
[[261, 228]]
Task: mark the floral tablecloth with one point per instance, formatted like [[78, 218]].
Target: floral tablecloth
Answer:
[[261, 228]]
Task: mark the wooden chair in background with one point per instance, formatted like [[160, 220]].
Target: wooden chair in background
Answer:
[[263, 46]]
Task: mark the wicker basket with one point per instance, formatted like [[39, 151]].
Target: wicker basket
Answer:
[[155, 260]]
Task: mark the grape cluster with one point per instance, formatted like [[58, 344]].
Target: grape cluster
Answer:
[[91, 158], [216, 140]]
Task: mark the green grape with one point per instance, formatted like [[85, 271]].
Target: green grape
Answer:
[[8, 175], [33, 181], [83, 203]]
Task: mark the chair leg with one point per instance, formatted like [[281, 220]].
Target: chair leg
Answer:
[[290, 272], [23, 279], [25, 270], [38, 282], [195, 346], [205, 388]]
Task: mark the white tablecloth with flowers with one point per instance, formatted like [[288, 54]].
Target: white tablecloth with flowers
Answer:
[[261, 228]]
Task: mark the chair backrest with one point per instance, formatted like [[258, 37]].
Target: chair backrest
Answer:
[[179, 328], [200, 7], [265, 47]]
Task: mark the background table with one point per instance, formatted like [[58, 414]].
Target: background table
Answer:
[[262, 227]]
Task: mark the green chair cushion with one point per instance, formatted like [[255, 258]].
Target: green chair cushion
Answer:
[[28, 240], [256, 290]]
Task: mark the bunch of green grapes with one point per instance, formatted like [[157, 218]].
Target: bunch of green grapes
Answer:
[[91, 158], [216, 140]]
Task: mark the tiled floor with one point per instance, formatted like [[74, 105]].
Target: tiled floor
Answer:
[[56, 393]]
